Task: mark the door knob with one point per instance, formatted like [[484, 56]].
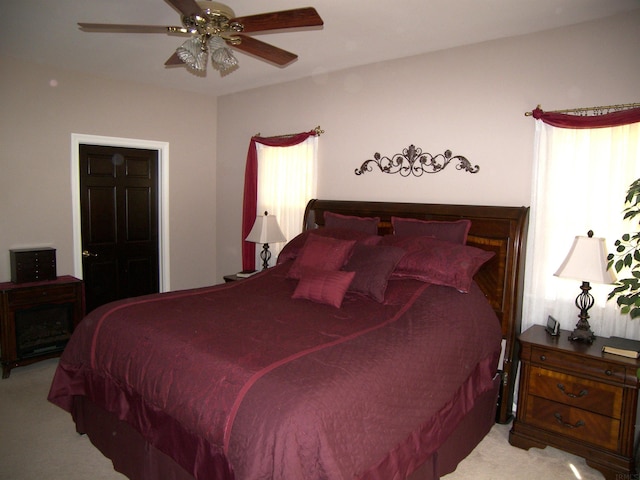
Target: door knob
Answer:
[[87, 253]]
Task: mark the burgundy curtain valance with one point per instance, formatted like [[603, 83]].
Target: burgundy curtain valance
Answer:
[[565, 120], [249, 208]]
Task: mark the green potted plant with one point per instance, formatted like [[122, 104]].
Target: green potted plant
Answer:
[[627, 257]]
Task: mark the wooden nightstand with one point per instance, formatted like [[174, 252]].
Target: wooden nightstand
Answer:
[[578, 399]]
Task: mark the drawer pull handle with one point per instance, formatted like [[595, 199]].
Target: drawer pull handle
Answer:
[[559, 419], [582, 393], [608, 373], [543, 358]]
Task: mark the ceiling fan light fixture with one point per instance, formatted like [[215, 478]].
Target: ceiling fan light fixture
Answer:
[[222, 57], [193, 53]]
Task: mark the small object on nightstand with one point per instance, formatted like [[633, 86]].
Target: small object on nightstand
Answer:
[[622, 346], [246, 273], [239, 276], [553, 326]]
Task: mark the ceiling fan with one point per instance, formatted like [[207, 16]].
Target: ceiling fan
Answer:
[[213, 27]]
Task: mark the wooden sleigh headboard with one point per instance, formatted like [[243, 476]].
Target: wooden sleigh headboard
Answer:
[[502, 230]]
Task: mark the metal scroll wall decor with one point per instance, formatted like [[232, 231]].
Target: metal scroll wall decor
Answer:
[[412, 161]]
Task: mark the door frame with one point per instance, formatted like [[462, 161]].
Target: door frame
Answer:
[[163, 198]]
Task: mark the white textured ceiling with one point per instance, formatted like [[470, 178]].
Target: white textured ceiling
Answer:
[[355, 32]]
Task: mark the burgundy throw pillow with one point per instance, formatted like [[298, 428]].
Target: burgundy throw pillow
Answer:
[[349, 222], [373, 265], [324, 253], [292, 249], [455, 231], [324, 286], [439, 262]]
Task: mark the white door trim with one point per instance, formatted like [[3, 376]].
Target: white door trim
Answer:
[[163, 197]]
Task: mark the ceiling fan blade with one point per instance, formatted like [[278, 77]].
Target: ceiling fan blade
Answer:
[[299, 17], [173, 60], [264, 50], [119, 28], [186, 7]]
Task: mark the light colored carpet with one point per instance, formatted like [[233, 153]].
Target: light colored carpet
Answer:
[[38, 441]]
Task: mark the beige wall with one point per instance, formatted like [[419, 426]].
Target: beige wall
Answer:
[[470, 100], [36, 123]]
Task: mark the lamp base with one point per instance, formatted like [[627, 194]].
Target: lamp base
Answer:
[[265, 255], [582, 335], [584, 301]]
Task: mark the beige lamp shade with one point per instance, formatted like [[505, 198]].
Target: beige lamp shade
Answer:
[[587, 261], [266, 230]]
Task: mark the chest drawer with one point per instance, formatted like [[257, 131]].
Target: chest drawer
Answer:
[[53, 293], [597, 397], [593, 367], [573, 422]]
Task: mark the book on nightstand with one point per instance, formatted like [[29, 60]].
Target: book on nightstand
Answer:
[[246, 273], [623, 347]]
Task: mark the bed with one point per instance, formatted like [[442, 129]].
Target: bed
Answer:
[[348, 359]]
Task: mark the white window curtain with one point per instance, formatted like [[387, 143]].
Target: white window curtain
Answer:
[[580, 180], [287, 180]]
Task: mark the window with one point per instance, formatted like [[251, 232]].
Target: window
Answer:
[[580, 180], [287, 179], [280, 178]]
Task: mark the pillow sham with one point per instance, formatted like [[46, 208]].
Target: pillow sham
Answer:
[[324, 286], [294, 247], [349, 222], [373, 265], [439, 262], [454, 231], [323, 253]]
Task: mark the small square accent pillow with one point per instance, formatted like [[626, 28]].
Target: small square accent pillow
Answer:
[[350, 222], [324, 253], [373, 265], [324, 286], [439, 262], [455, 231]]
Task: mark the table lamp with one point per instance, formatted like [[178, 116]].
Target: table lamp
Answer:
[[265, 230], [586, 261]]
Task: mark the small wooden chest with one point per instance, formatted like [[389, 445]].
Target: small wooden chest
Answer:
[[33, 265]]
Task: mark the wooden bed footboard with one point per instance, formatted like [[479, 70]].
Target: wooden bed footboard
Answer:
[[499, 229]]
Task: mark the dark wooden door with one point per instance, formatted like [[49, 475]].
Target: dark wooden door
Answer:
[[119, 223]]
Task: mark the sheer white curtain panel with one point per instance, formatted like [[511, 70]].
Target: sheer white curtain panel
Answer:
[[287, 180], [580, 180]]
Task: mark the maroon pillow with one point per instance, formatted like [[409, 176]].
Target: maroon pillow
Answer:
[[292, 249], [439, 262], [373, 265], [324, 253], [323, 286], [455, 231], [349, 222]]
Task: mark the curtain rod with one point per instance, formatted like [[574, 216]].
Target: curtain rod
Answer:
[[318, 131], [600, 109]]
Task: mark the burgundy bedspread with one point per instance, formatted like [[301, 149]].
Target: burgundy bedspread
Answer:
[[240, 381]]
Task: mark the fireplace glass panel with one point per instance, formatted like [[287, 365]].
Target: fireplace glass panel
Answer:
[[43, 329]]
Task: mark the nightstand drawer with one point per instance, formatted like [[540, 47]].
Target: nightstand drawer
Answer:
[[593, 367], [578, 392], [573, 422]]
